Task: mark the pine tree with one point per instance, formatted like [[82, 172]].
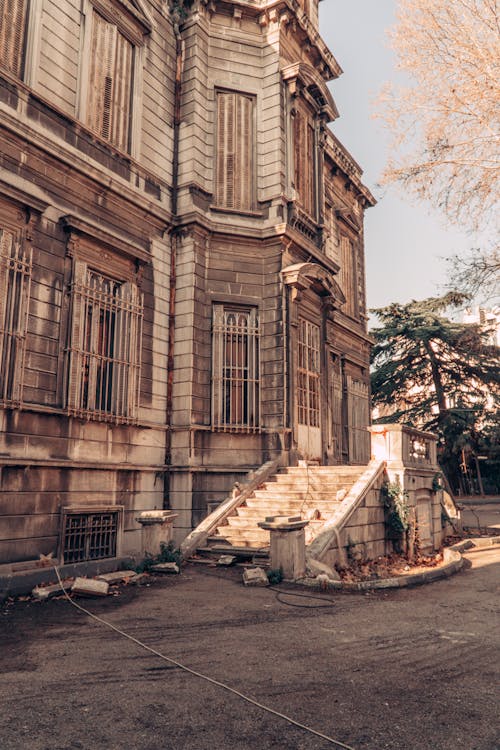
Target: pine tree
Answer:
[[436, 374]]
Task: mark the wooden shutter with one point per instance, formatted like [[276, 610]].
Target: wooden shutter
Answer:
[[359, 419], [13, 14], [235, 145], [6, 240], [122, 81], [110, 84], [305, 161], [127, 350], [75, 365], [298, 153], [243, 137]]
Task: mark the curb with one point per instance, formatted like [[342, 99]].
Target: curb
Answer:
[[452, 563]]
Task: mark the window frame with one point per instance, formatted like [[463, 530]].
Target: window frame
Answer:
[[305, 181], [220, 194], [85, 350], [16, 265], [349, 275], [235, 382], [133, 27]]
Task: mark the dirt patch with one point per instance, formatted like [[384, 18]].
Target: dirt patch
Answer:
[[390, 566]]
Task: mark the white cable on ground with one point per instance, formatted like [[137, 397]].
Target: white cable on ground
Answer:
[[199, 674]]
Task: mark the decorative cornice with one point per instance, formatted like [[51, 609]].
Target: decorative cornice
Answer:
[[76, 225]]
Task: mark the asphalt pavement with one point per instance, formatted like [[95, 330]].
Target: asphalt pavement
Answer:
[[410, 669]]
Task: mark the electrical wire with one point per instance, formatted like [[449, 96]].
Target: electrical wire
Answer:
[[328, 602], [198, 674]]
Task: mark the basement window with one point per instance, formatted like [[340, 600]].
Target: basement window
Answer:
[[90, 534]]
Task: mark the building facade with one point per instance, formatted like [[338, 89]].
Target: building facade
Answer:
[[181, 264]]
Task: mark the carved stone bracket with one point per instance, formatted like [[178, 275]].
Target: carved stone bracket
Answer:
[[301, 276]]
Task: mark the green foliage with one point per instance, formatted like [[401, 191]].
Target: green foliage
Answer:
[[274, 576], [397, 510], [437, 482], [167, 554], [437, 374]]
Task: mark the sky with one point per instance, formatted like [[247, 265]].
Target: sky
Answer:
[[405, 241]]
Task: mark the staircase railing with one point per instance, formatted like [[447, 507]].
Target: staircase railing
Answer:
[[199, 536], [331, 530]]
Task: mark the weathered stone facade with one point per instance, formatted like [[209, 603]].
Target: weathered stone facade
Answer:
[[183, 244]]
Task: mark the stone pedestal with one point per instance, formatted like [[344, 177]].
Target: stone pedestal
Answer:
[[157, 528], [288, 545]]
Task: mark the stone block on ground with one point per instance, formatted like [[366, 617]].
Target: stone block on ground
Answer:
[[116, 576], [166, 567], [255, 577], [90, 587], [43, 593], [316, 568]]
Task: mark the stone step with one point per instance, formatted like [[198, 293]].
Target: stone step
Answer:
[[312, 470], [299, 495], [243, 537], [300, 485], [227, 546], [252, 520], [215, 549], [288, 502]]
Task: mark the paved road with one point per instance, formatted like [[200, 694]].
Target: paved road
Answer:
[[412, 669]]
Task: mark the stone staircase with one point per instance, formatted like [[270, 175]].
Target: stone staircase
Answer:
[[312, 492]]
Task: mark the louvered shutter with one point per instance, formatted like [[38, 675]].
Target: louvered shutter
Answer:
[[243, 146], [110, 83], [298, 153], [235, 144], [122, 84], [6, 240], [75, 366], [127, 350], [21, 296], [99, 52], [309, 170], [12, 32]]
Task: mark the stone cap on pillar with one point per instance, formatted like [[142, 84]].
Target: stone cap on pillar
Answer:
[[147, 517], [283, 523]]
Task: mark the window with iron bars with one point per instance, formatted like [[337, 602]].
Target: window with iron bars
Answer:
[[15, 286], [235, 369], [104, 353], [89, 534]]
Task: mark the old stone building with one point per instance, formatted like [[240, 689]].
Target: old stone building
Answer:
[[181, 264]]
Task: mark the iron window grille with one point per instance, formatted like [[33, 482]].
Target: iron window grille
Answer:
[[90, 534], [235, 369], [105, 347], [15, 289]]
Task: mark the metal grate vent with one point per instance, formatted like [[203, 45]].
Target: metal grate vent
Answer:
[[90, 535]]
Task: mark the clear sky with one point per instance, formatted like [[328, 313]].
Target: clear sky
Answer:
[[405, 240]]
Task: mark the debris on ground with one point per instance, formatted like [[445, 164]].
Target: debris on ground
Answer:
[[117, 576], [42, 593], [165, 567], [255, 577], [389, 566], [226, 560], [90, 587]]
